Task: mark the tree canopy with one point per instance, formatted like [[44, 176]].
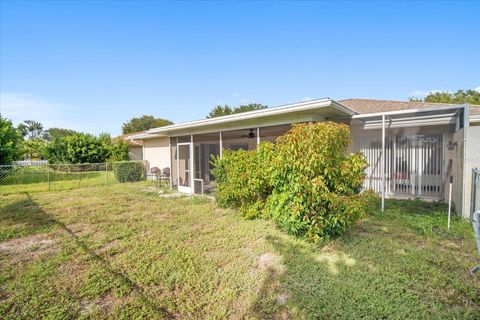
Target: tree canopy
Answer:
[[30, 129], [54, 133], [10, 141], [86, 148], [224, 110], [143, 123], [461, 96]]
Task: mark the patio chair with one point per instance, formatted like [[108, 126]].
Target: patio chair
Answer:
[[165, 174], [154, 174]]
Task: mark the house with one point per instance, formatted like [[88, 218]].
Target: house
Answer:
[[413, 148], [135, 147]]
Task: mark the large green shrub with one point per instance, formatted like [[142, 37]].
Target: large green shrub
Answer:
[[10, 140], [86, 148], [128, 171], [306, 182]]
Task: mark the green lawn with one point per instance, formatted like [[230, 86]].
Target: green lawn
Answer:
[[118, 252]]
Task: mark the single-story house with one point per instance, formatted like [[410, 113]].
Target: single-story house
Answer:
[[413, 148], [135, 147]]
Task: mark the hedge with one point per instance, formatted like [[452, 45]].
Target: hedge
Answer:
[[128, 171]]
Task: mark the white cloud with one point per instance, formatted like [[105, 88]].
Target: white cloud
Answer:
[[23, 106], [477, 89]]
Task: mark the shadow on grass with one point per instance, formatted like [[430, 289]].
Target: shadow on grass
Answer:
[[28, 212], [296, 283]]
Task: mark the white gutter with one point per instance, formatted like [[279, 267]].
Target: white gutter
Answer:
[[141, 136], [406, 111], [302, 106]]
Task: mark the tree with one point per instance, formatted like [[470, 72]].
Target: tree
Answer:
[[86, 148], [461, 96], [10, 141], [144, 123], [31, 129], [56, 151], [249, 107], [225, 110], [34, 149], [219, 111], [119, 150], [54, 133]]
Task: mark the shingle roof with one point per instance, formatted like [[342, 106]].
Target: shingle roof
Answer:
[[370, 105], [136, 143]]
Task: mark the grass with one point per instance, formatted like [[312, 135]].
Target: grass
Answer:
[[36, 179], [118, 252]]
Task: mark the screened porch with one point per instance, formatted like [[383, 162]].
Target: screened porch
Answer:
[[191, 155]]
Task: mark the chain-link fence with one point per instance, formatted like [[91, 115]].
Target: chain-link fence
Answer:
[[20, 178]]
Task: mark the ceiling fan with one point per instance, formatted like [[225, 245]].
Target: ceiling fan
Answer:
[[250, 135]]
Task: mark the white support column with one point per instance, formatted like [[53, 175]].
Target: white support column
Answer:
[[192, 169], [221, 144], [258, 136], [178, 165], [383, 163], [171, 162]]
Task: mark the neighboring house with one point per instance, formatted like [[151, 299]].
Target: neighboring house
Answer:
[[135, 147], [423, 143]]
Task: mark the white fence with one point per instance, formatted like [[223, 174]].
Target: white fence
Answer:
[[25, 163]]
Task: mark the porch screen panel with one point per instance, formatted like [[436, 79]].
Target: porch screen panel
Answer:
[[272, 133], [205, 147], [244, 139], [413, 164]]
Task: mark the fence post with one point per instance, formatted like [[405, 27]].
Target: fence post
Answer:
[[106, 171], [48, 173]]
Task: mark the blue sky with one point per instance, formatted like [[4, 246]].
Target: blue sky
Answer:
[[93, 65]]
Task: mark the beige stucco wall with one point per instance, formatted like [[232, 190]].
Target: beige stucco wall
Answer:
[[135, 153], [157, 152], [472, 160], [456, 171]]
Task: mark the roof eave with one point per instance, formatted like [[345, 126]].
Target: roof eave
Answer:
[[302, 106]]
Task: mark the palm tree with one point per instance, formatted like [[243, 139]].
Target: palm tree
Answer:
[[31, 127]]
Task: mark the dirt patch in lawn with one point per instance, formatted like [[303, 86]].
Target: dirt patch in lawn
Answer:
[[104, 303], [82, 229], [25, 249], [269, 261]]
